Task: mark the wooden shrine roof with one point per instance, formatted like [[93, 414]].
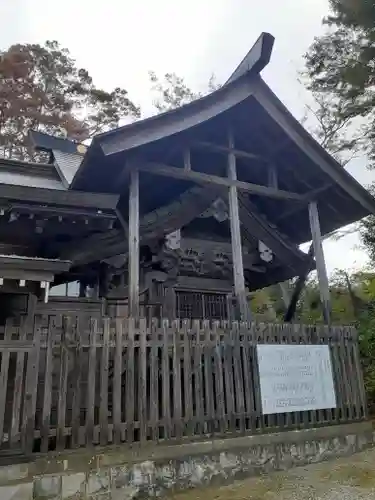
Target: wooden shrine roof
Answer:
[[36, 175], [265, 134], [40, 183], [268, 139]]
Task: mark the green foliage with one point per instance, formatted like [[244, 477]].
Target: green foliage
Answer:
[[42, 88], [366, 331], [173, 92], [353, 303], [341, 61], [340, 70], [331, 129], [341, 74]]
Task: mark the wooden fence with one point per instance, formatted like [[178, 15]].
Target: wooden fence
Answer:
[[66, 383]]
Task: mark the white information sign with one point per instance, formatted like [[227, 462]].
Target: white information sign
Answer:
[[295, 378]]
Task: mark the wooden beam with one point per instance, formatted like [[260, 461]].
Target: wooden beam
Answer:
[[256, 59], [62, 211], [284, 293], [311, 196], [55, 197], [217, 148], [201, 178], [187, 159], [256, 226], [123, 224], [301, 138], [272, 177], [235, 229], [153, 226], [320, 262], [300, 283], [273, 181], [134, 244]]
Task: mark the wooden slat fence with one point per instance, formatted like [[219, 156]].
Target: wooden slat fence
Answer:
[[68, 383]]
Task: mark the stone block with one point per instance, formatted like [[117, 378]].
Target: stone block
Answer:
[[22, 491], [47, 488], [351, 440], [362, 442], [311, 451], [98, 482], [125, 493], [285, 457], [120, 476], [143, 474], [13, 473], [73, 486]]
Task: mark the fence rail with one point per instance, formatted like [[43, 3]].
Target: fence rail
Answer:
[[67, 383]]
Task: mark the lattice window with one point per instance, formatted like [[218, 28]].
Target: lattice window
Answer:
[[201, 305]]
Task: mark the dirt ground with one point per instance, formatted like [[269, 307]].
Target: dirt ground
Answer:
[[342, 479]]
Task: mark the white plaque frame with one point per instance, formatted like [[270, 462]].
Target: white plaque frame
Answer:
[[295, 378]]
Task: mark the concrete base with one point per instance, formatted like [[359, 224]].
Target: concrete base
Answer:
[[133, 473]]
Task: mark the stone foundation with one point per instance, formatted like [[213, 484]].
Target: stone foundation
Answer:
[[154, 470]]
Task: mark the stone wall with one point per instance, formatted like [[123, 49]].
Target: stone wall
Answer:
[[122, 473]]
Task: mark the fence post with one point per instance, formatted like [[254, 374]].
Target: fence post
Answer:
[[130, 380], [18, 388], [177, 392], [142, 380], [91, 383], [104, 366], [47, 396], [4, 377], [63, 385], [117, 387], [359, 376], [77, 380], [166, 380], [28, 424]]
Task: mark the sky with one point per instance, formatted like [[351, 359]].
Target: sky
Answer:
[[120, 41]]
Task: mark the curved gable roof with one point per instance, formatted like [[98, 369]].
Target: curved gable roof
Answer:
[[177, 120], [248, 101]]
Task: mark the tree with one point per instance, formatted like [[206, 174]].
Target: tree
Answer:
[[172, 91], [324, 118], [42, 88], [340, 64], [341, 75], [367, 232]]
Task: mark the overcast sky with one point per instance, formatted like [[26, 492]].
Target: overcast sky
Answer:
[[119, 41]]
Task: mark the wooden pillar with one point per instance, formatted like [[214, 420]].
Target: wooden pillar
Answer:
[[169, 309], [187, 160], [298, 287], [235, 229], [273, 182], [320, 262], [134, 244], [285, 294], [32, 303], [82, 289], [272, 177]]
